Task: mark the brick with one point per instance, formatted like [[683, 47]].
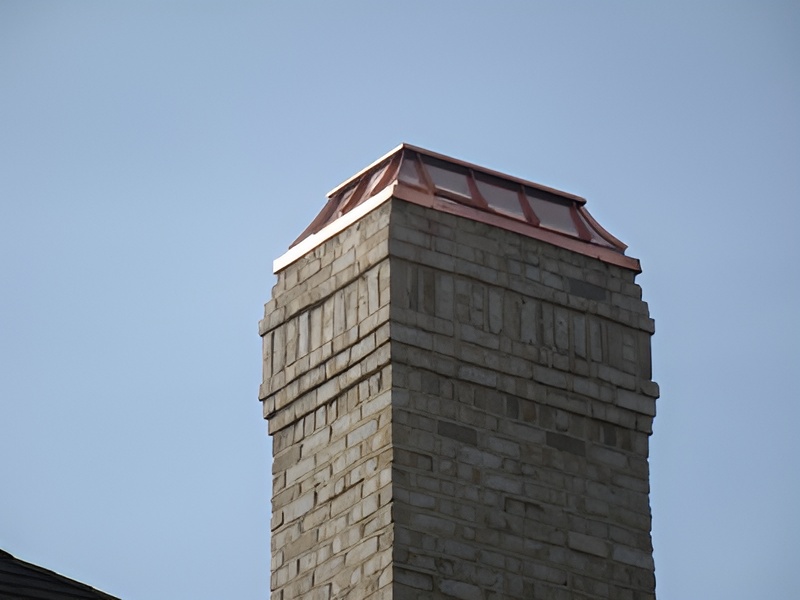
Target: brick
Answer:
[[611, 458], [299, 507], [413, 579], [432, 524], [512, 485], [503, 446], [345, 500], [461, 590], [299, 470], [566, 443], [636, 402], [633, 556], [361, 552], [474, 456], [362, 432], [463, 434], [587, 544], [587, 290], [458, 411], [478, 375], [413, 459]]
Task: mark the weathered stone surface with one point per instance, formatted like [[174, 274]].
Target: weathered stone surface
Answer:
[[457, 411]]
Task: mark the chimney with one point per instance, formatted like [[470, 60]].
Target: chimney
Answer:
[[457, 381]]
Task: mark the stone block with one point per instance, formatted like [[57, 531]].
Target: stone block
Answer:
[[633, 556], [298, 508], [636, 402], [413, 579], [588, 544], [362, 432], [587, 290], [457, 421], [360, 552], [566, 443], [463, 434], [461, 590]]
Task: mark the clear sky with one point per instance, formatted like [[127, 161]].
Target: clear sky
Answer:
[[156, 156]]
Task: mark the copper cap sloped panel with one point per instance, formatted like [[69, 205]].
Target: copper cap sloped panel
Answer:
[[454, 186]]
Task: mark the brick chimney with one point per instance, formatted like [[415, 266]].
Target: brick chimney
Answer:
[[458, 385]]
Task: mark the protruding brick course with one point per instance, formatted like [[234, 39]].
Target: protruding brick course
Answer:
[[458, 411]]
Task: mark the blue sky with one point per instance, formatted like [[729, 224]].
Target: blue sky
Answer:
[[155, 157]]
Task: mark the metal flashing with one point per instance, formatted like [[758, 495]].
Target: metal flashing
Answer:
[[451, 185]]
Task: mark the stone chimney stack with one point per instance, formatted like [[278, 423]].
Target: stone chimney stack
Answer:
[[458, 384]]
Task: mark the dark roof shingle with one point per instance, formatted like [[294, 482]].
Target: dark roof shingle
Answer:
[[20, 580]]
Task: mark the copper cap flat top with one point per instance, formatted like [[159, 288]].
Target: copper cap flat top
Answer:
[[454, 186]]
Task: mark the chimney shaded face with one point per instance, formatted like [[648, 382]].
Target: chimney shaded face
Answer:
[[457, 381]]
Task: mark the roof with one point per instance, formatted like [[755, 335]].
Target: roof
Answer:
[[22, 580], [450, 185]]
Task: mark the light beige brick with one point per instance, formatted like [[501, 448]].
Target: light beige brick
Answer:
[[459, 412]]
